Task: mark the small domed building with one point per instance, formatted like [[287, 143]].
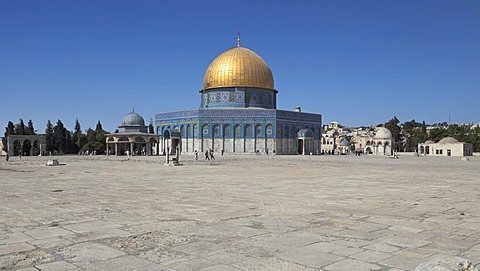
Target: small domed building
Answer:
[[447, 146], [133, 136], [379, 142], [238, 113]]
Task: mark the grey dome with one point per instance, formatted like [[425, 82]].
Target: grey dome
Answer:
[[383, 133], [344, 143], [133, 119], [448, 140]]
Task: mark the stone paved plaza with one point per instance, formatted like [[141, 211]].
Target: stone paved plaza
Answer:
[[241, 212]]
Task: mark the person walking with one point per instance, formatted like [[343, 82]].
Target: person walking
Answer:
[[196, 155], [207, 157]]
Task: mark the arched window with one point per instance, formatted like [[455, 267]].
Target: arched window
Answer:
[[248, 130], [216, 130], [226, 130], [258, 130], [269, 130], [237, 131]]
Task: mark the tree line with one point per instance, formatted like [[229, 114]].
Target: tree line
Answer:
[[409, 134], [59, 140]]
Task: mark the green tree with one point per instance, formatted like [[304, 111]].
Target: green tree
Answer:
[[9, 130], [20, 128], [79, 139], [49, 138], [437, 133], [394, 128], [60, 137], [30, 130], [100, 144], [71, 147], [89, 145]]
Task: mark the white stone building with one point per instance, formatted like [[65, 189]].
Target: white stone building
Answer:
[[447, 146], [379, 142]]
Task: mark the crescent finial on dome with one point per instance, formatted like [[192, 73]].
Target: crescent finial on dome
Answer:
[[238, 39]]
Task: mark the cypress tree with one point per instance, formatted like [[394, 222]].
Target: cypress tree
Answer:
[[30, 130], [20, 128], [49, 137], [9, 130]]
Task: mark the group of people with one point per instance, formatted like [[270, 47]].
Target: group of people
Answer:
[[208, 155]]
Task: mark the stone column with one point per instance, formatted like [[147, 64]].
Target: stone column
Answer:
[[116, 149], [131, 148]]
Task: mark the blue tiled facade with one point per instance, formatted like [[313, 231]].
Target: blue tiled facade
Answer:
[[210, 124]]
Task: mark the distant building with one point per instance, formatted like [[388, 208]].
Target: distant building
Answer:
[[447, 146], [26, 145], [380, 142]]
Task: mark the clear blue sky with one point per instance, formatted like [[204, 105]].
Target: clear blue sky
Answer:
[[356, 62]]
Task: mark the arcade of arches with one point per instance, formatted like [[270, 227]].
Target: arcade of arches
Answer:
[[26, 145], [118, 144]]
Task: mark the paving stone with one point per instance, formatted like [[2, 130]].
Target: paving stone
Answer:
[[88, 252], [96, 235], [91, 226], [325, 247], [371, 256], [16, 237], [270, 264], [348, 251], [401, 262], [56, 266], [220, 267], [200, 248], [351, 265], [191, 264], [46, 233], [403, 241], [121, 263], [17, 247], [417, 253], [308, 258], [50, 242], [382, 247]]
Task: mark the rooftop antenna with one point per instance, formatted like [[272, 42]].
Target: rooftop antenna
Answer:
[[238, 39], [449, 115]]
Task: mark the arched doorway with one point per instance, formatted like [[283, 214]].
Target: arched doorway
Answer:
[[27, 147], [17, 147], [304, 141], [36, 148]]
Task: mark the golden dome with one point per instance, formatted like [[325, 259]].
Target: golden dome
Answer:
[[240, 67]]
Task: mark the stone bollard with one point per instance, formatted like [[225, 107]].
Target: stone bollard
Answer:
[[52, 162]]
